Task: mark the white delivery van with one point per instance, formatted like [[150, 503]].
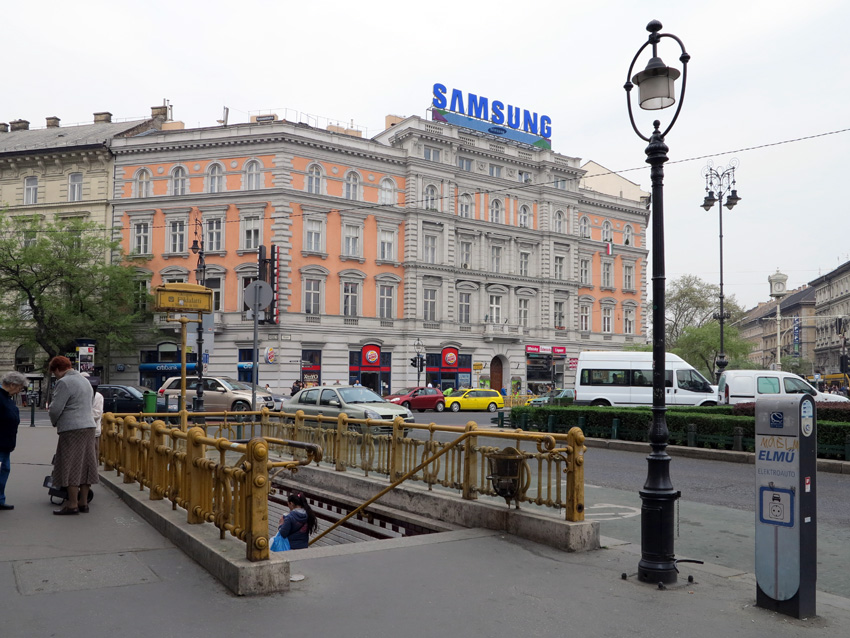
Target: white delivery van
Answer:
[[748, 386], [625, 378]]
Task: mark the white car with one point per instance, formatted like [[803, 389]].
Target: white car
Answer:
[[748, 386]]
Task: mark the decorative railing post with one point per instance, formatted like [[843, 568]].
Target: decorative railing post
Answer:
[[470, 464], [108, 447], [193, 480], [158, 461], [575, 475], [397, 449], [257, 500], [128, 455], [339, 441]]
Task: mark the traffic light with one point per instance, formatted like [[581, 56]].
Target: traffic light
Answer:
[[414, 361], [421, 364], [845, 363]]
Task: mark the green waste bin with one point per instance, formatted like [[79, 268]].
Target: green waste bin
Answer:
[[150, 402]]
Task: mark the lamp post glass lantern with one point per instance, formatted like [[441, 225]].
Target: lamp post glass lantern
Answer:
[[200, 276], [656, 84], [722, 182]]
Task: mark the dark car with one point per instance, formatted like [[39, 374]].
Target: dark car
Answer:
[[121, 398], [419, 399]]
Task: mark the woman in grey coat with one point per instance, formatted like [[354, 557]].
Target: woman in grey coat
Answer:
[[75, 465]]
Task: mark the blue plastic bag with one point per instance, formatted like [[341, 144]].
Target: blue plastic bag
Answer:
[[279, 543]]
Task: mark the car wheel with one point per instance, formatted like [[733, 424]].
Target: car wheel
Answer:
[[406, 405], [240, 406], [601, 403], [455, 407], [440, 407], [491, 407], [709, 403]]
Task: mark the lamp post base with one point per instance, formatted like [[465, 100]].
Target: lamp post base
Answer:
[[658, 562]]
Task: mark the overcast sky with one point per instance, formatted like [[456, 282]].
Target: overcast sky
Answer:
[[762, 74]]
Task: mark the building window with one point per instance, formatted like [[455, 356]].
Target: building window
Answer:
[[495, 309], [524, 216], [495, 258], [214, 284], [314, 236], [350, 298], [432, 154], [429, 304], [387, 193], [607, 274], [464, 307], [465, 206], [607, 319], [314, 180], [522, 312], [387, 245], [252, 175], [246, 302], [352, 186], [584, 271], [560, 183], [352, 241], [179, 183], [524, 177], [312, 296], [386, 301], [177, 236], [141, 238], [75, 187], [30, 238], [558, 226], [496, 211], [524, 260], [431, 198], [213, 240], [466, 253], [628, 277], [607, 232], [429, 248], [215, 179], [584, 228], [629, 321], [559, 314], [628, 236], [143, 183], [250, 233], [464, 163], [560, 267], [141, 295], [495, 170], [584, 318]]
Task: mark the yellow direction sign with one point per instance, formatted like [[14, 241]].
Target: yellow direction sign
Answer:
[[477, 366], [179, 297]]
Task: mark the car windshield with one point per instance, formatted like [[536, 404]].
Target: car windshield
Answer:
[[233, 384], [137, 391], [404, 391], [359, 395]]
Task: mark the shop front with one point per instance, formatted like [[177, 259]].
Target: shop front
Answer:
[[371, 368], [153, 375], [448, 369], [311, 367], [544, 367]]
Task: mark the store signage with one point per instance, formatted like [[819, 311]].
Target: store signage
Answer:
[[177, 297], [546, 349], [450, 357], [270, 356], [371, 355]]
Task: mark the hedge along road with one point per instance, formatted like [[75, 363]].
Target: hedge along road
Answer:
[[716, 514]]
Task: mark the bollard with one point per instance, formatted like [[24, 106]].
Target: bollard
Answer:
[[615, 428], [523, 420], [582, 421], [847, 448], [692, 434], [501, 419], [550, 423], [738, 439], [32, 414]]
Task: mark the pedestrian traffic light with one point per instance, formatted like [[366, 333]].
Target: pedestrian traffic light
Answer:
[[414, 361]]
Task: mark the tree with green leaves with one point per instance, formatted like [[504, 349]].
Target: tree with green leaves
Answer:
[[61, 283], [700, 345], [692, 303]]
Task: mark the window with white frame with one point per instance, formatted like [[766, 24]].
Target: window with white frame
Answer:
[[559, 314], [252, 175], [246, 280], [524, 177], [141, 238], [628, 277], [215, 179], [524, 216], [30, 238], [431, 196], [584, 317], [495, 315], [464, 307], [495, 170], [352, 186], [465, 206], [179, 182], [350, 298], [429, 249], [584, 271], [560, 183], [607, 274], [314, 180], [141, 295], [496, 211], [143, 183], [495, 258], [387, 241], [607, 231], [313, 240], [522, 311], [31, 190], [75, 187], [466, 253], [429, 304], [524, 261], [177, 236], [629, 320], [628, 236], [312, 296], [251, 232], [432, 154], [560, 270], [214, 238], [214, 284], [351, 240], [584, 227], [386, 301], [558, 225], [464, 163], [386, 196], [607, 319]]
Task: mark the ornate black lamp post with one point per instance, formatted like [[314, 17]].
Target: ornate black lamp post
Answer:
[[200, 276], [656, 91], [722, 183], [417, 347]]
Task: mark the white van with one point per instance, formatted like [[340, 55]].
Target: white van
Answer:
[[748, 386], [625, 378]]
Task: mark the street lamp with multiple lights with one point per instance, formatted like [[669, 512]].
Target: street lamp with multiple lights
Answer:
[[656, 84], [722, 183], [418, 346], [200, 276]]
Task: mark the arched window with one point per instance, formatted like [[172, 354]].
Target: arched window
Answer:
[[178, 181], [314, 180], [607, 232], [584, 228], [558, 225], [524, 216], [465, 206], [431, 198], [352, 186], [496, 211], [252, 175], [143, 183], [628, 236], [215, 179], [387, 193]]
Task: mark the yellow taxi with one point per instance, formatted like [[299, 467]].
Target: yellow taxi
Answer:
[[475, 399]]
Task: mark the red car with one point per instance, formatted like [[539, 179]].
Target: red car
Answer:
[[419, 399]]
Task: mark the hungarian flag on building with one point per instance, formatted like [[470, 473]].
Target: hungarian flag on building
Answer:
[[609, 249]]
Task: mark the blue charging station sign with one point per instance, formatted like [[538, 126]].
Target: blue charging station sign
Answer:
[[786, 526]]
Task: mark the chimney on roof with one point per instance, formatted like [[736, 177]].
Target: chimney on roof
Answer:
[[392, 120], [20, 125], [53, 122], [103, 116], [159, 112], [4, 128]]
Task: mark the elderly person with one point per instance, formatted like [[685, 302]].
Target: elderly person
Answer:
[[10, 385], [75, 465]]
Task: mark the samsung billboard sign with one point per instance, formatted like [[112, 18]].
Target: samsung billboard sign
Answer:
[[491, 116]]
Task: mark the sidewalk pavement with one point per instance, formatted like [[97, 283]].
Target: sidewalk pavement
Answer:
[[108, 573]]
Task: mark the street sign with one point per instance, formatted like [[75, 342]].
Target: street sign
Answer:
[[180, 297], [260, 292], [477, 366]]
